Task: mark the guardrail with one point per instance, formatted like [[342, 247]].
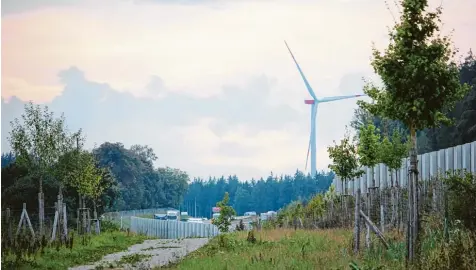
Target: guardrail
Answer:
[[170, 229], [123, 218]]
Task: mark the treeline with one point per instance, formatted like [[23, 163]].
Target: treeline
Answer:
[[463, 129], [139, 184], [47, 158], [263, 195]]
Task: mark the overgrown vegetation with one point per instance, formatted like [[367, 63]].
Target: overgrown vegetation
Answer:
[[223, 221], [78, 253], [284, 247], [272, 249]]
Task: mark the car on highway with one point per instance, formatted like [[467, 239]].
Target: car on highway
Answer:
[[250, 214], [195, 220], [160, 216]]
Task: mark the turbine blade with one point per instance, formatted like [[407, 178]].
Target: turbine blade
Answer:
[[328, 99], [308, 86], [308, 149]]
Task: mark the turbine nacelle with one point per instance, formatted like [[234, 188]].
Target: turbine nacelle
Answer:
[[309, 101]]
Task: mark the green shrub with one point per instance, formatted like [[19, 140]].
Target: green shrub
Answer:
[[109, 226], [462, 198]]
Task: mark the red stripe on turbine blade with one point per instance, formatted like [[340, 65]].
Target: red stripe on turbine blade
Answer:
[[309, 101]]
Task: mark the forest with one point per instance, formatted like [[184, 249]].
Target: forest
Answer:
[[270, 194]]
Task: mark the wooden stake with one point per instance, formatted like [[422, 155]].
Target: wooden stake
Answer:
[[21, 221], [41, 213], [374, 229], [78, 217], [55, 224], [25, 219], [89, 222], [59, 208], [367, 233], [65, 222], [28, 221], [357, 223], [9, 224], [85, 225]]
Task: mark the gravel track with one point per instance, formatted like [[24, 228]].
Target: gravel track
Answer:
[[151, 253]]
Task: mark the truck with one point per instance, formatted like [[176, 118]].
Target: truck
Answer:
[[268, 215], [173, 215]]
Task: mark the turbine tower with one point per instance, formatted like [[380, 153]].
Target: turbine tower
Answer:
[[314, 102]]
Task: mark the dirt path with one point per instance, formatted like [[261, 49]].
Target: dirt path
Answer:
[[150, 254]]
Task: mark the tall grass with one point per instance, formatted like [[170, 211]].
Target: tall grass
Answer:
[[61, 257], [330, 249], [274, 249]]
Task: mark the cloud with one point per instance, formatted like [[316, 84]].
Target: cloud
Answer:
[[15, 6], [208, 84], [179, 127], [236, 129], [235, 149]]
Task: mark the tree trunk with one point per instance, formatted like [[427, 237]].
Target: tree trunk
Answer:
[[392, 199]]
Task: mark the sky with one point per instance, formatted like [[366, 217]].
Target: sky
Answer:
[[208, 84]]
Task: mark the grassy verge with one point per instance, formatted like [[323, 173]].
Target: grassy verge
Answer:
[[331, 249], [288, 249], [62, 258]]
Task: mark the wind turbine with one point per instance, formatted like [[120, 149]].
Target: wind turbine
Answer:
[[314, 102]]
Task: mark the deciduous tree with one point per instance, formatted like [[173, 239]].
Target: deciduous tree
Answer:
[[345, 162], [226, 213], [369, 142], [39, 140], [420, 83]]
